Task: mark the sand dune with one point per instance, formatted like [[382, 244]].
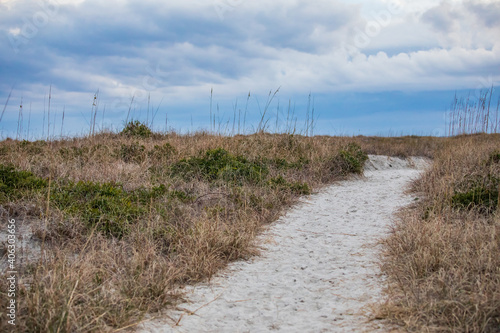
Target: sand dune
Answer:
[[318, 270]]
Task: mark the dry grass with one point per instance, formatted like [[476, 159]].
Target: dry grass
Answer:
[[119, 222], [404, 146], [442, 257]]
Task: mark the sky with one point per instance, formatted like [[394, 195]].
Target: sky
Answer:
[[337, 67]]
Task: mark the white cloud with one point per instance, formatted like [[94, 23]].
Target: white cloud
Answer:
[[183, 48], [471, 24]]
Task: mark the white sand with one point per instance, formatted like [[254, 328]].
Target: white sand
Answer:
[[318, 270]]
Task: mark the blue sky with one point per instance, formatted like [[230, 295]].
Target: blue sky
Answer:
[[380, 67]]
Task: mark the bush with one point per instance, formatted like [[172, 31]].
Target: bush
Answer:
[[106, 205], [352, 159], [136, 129], [110, 207], [479, 189], [476, 193], [485, 199], [14, 183], [220, 164]]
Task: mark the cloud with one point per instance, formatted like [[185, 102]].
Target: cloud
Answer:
[[472, 24], [485, 13], [181, 49], [299, 26], [443, 18]]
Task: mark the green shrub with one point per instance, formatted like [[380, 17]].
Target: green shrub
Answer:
[[110, 207], [220, 164], [136, 129], [479, 197], [478, 194], [352, 159], [479, 191], [300, 188], [296, 187], [106, 205], [14, 183]]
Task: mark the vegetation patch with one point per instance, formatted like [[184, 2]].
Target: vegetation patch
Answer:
[[295, 187], [145, 196], [33, 147], [14, 183], [136, 129], [442, 256], [493, 158], [106, 205], [218, 164], [132, 153], [481, 196], [109, 207], [73, 152], [352, 159], [283, 164], [480, 190], [162, 153]]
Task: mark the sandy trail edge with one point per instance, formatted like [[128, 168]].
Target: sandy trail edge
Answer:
[[318, 271]]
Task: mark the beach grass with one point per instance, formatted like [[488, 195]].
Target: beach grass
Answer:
[[442, 257]]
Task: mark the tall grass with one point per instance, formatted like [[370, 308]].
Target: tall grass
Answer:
[[283, 123], [474, 114], [20, 122], [442, 257], [6, 103], [243, 121]]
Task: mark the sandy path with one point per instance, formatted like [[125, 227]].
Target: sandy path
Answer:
[[318, 270]]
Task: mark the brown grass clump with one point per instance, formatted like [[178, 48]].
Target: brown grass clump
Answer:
[[403, 146], [442, 257], [111, 225]]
